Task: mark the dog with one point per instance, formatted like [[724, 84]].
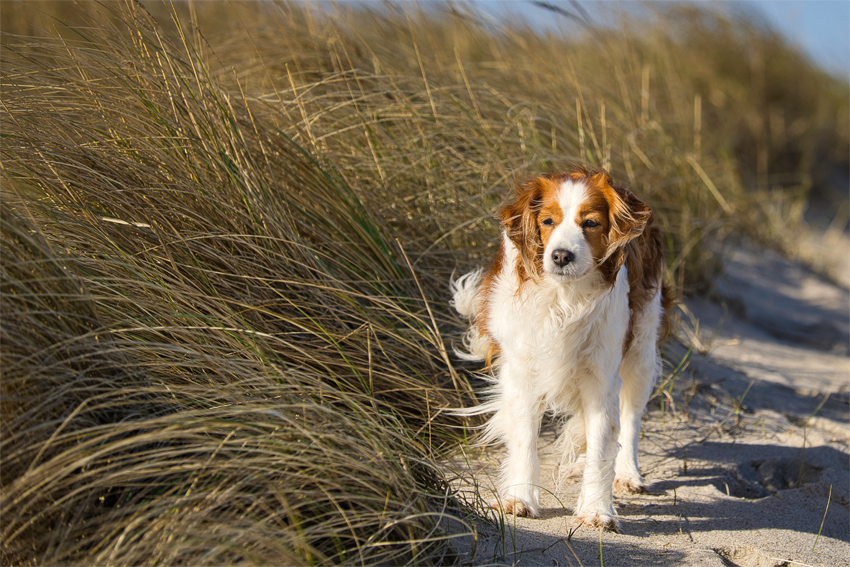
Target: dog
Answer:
[[569, 317]]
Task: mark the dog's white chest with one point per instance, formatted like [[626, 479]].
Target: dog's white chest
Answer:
[[553, 326]]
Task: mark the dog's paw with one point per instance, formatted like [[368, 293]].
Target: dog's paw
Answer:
[[633, 485], [598, 520], [515, 507]]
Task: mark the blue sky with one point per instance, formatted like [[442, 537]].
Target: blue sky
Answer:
[[820, 27]]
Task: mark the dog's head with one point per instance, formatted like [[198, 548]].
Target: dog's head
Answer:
[[566, 225]]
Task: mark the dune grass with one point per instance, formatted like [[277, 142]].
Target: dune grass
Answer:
[[227, 235], [212, 350]]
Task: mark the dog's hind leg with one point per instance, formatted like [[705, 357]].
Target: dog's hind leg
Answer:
[[640, 369], [571, 446]]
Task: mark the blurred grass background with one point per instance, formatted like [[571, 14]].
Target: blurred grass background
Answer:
[[228, 230]]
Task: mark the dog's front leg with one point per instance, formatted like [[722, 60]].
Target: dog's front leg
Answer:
[[517, 423], [595, 505]]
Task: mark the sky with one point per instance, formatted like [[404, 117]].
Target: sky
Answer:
[[821, 28]]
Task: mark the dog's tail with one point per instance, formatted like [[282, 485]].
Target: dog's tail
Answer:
[[465, 298], [465, 293]]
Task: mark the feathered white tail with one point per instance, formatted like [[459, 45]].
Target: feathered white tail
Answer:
[[464, 292], [465, 301]]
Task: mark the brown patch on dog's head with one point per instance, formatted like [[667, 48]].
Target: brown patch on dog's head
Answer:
[[627, 219], [521, 221]]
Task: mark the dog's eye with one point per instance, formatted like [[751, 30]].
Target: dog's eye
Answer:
[[547, 222], [589, 223]]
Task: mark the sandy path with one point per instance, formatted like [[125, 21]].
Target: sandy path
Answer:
[[723, 465]]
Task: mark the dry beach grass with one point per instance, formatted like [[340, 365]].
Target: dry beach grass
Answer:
[[227, 235]]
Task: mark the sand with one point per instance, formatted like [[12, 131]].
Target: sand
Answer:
[[741, 465]]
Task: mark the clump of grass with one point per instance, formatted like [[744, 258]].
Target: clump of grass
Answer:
[[212, 351]]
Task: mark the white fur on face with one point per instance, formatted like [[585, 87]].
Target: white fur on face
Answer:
[[568, 235]]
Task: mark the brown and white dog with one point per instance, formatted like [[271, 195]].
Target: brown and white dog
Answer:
[[569, 315]]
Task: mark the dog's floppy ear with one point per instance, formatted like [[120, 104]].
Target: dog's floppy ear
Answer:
[[628, 217], [519, 221]]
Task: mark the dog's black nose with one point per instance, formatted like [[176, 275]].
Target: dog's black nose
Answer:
[[562, 257]]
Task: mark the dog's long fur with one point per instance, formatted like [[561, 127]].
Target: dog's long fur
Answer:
[[569, 316]]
